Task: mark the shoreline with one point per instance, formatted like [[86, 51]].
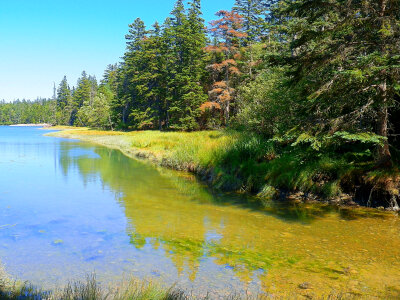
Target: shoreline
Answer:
[[144, 146], [45, 125], [230, 249]]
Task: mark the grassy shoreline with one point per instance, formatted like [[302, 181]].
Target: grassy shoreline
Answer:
[[135, 289], [234, 161], [91, 289]]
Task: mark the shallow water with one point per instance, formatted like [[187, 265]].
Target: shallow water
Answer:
[[69, 208]]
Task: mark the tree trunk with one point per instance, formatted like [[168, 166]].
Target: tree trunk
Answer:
[[227, 113], [109, 120], [227, 105], [384, 156], [160, 118]]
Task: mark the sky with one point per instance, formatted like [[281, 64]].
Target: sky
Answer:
[[43, 40]]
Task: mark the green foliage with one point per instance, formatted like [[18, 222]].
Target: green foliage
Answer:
[[97, 113], [84, 94], [254, 12], [64, 103], [159, 82], [342, 58], [363, 137], [264, 104], [91, 289], [28, 112]]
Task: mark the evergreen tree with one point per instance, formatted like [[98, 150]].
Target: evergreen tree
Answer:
[[110, 77], [63, 94], [26, 112], [344, 59], [83, 92], [227, 40], [148, 109], [126, 91], [136, 34], [254, 18], [185, 35], [64, 102], [96, 112]]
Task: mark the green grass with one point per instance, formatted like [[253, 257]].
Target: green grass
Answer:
[[91, 290], [140, 290], [235, 161]]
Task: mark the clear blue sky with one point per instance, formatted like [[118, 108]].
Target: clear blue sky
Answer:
[[43, 40]]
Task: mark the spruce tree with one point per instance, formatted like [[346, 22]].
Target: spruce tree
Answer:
[[185, 35], [126, 90], [224, 66], [84, 92], [148, 109], [110, 77], [64, 102], [63, 94], [254, 18], [344, 59], [137, 31]]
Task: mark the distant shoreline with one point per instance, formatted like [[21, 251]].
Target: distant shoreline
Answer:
[[31, 125]]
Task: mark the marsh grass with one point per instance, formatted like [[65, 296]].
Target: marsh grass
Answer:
[[141, 290], [243, 162], [91, 290], [135, 289]]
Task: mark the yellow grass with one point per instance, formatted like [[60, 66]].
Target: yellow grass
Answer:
[[178, 150]]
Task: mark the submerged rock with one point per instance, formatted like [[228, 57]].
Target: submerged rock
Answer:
[[305, 286]]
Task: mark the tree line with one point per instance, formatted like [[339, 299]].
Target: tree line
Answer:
[[313, 73], [28, 112], [179, 75]]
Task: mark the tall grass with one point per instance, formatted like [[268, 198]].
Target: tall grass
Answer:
[[91, 290], [139, 290], [235, 161]]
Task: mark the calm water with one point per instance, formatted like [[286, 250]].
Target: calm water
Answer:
[[68, 208]]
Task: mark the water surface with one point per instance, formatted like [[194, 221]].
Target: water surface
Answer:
[[68, 208]]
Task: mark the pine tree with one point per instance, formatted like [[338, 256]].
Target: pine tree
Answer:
[[254, 18], [344, 59], [110, 77], [148, 109], [174, 37], [227, 39], [84, 92], [185, 35], [136, 34], [126, 91], [64, 101], [63, 94]]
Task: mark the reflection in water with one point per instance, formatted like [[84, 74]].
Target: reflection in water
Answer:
[[166, 210], [212, 242], [69, 208]]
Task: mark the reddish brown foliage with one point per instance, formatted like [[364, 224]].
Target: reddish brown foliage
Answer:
[[209, 105], [228, 34], [229, 62], [237, 56], [234, 70], [220, 84], [216, 91], [229, 24]]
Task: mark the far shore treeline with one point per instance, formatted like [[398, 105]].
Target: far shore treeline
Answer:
[[316, 81]]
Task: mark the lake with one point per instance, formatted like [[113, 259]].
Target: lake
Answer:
[[70, 208]]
